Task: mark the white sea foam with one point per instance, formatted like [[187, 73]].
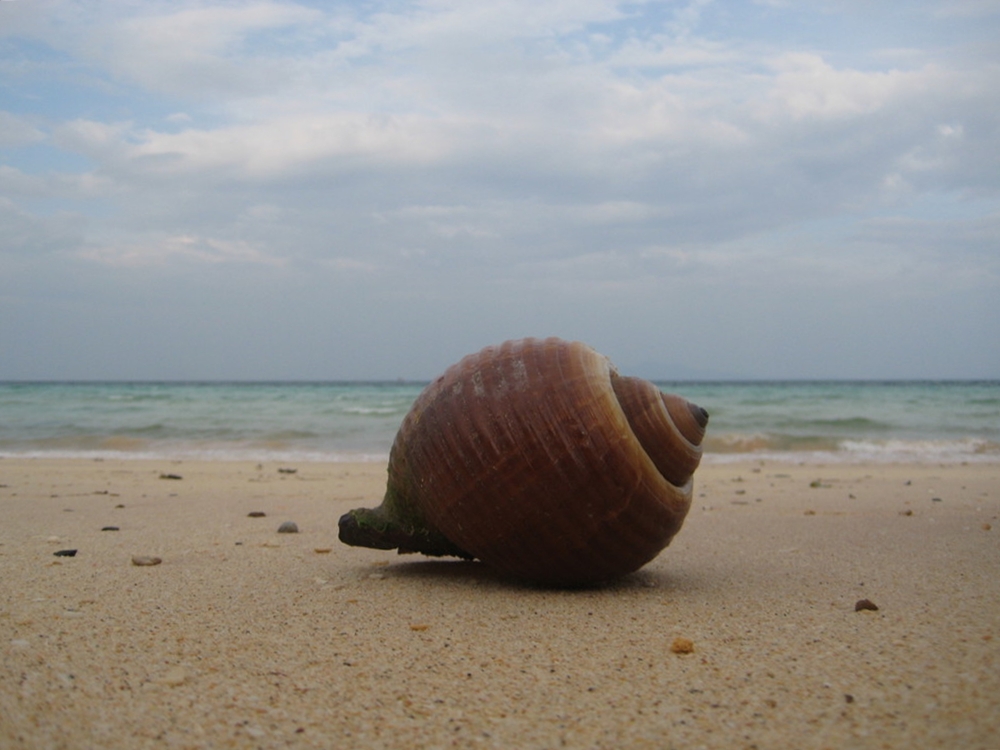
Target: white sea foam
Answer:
[[969, 450], [923, 451]]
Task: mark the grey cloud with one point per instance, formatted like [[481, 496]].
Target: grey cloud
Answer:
[[450, 174]]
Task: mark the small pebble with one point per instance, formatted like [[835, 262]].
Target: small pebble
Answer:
[[256, 514], [145, 560], [288, 527], [861, 604], [65, 553], [986, 527], [287, 471], [419, 628], [110, 528], [682, 645], [171, 476], [848, 698], [323, 550]]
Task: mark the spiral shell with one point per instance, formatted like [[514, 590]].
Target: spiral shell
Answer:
[[539, 459]]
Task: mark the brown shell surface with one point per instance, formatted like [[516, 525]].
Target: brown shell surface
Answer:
[[536, 457]]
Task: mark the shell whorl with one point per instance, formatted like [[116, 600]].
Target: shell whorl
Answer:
[[536, 457]]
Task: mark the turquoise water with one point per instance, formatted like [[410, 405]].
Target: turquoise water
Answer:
[[807, 421]]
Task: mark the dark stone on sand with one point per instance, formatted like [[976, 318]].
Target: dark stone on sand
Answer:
[[171, 476], [288, 527], [865, 604], [65, 553], [110, 528], [256, 514], [287, 471]]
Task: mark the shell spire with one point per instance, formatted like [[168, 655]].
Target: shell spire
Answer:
[[538, 458]]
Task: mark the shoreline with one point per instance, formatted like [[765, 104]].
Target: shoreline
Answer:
[[915, 453], [246, 637]]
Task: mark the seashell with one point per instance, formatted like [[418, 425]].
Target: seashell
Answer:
[[538, 458]]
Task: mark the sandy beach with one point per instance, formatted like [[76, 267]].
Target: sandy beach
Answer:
[[244, 637]]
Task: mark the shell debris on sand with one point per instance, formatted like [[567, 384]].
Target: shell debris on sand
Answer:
[[145, 560]]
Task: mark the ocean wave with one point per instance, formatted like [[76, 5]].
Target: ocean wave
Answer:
[[720, 449], [924, 450], [806, 421], [760, 441], [854, 424], [736, 447], [378, 411]]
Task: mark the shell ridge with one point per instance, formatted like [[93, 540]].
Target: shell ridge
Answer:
[[657, 434]]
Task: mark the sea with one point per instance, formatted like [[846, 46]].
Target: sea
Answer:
[[799, 421]]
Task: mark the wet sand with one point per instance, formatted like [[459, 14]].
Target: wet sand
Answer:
[[244, 637]]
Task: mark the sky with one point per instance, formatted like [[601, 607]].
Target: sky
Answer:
[[371, 190]]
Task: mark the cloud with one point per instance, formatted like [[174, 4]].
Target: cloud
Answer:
[[16, 131], [190, 50], [967, 8], [806, 86], [517, 156], [159, 251], [282, 145], [26, 236]]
